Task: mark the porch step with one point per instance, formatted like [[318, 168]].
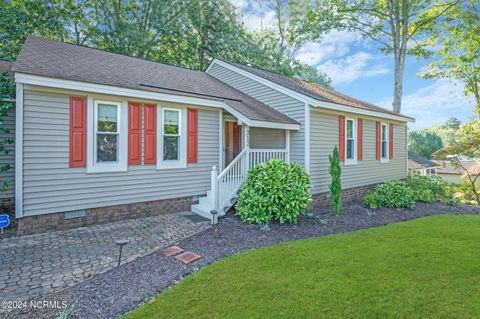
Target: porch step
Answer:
[[202, 210], [204, 201]]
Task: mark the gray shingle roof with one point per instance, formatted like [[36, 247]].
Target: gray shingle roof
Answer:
[[72, 62], [313, 90], [418, 161]]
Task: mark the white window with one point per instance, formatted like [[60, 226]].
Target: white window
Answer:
[[172, 144], [107, 138], [350, 141], [384, 143]]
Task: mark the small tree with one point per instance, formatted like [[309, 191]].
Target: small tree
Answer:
[[336, 184], [7, 95], [468, 138]]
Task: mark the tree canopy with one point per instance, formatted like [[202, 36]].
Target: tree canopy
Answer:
[[454, 42], [183, 33], [424, 142], [394, 24]]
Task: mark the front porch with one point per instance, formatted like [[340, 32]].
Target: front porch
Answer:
[[242, 147]]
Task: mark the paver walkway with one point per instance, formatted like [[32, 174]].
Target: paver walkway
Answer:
[[37, 264]]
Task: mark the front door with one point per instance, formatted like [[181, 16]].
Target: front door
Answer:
[[232, 141]]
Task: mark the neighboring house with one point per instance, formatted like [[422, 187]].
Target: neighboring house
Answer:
[[102, 136], [421, 164], [456, 175]]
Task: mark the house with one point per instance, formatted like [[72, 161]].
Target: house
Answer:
[[102, 137], [422, 165], [456, 175]]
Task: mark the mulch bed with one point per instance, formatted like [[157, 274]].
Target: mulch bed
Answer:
[[122, 289]]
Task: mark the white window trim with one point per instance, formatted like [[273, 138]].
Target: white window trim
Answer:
[[387, 133], [182, 162], [122, 164], [354, 160]]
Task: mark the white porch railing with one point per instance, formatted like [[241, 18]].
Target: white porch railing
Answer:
[[224, 186], [259, 156]]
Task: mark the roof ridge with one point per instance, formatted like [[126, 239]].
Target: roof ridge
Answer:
[[110, 52], [326, 90]]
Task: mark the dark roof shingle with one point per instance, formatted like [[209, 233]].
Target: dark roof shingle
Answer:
[[312, 90], [72, 62], [418, 161]]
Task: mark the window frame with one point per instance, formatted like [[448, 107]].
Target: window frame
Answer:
[[385, 159], [354, 160], [182, 130], [121, 165]]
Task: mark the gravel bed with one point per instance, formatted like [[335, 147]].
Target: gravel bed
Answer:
[[122, 289]]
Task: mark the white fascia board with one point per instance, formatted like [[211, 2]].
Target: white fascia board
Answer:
[[355, 110], [115, 90], [281, 126], [304, 98], [112, 90]]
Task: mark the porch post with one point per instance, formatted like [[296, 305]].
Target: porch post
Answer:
[[246, 145], [287, 146], [214, 187]]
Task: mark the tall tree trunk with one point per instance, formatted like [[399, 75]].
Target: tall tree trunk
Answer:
[[398, 85]]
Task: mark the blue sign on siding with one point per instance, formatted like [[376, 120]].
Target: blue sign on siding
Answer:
[[4, 221]]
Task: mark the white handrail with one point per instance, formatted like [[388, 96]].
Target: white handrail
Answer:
[[232, 163], [226, 184], [231, 179]]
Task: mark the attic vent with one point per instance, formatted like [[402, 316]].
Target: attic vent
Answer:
[[74, 214]]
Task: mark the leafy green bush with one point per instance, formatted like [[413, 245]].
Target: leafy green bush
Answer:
[[274, 190], [393, 194], [371, 200], [427, 188], [336, 184]]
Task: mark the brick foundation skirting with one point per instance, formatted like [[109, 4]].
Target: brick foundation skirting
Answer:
[[321, 200], [51, 222]]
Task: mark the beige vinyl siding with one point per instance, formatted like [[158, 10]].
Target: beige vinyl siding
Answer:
[[51, 186], [267, 138], [324, 137], [8, 159], [279, 101]]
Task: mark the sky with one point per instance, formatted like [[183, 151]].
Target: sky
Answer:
[[357, 68]]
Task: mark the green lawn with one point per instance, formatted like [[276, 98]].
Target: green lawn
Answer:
[[425, 268]]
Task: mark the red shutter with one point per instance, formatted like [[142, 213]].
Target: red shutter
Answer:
[[360, 139], [150, 134], [134, 133], [78, 131], [341, 137], [390, 140], [192, 143], [378, 139]]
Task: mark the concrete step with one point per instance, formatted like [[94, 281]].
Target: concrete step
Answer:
[[202, 211], [205, 201]]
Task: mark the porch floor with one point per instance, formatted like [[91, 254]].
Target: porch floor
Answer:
[[38, 264]]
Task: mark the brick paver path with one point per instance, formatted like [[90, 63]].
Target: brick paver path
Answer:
[[37, 264]]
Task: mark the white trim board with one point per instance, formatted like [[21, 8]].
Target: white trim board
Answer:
[[114, 90], [304, 98], [19, 151], [307, 138]]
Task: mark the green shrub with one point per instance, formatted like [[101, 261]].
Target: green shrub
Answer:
[[427, 188], [393, 194], [336, 184], [371, 200], [274, 190]]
